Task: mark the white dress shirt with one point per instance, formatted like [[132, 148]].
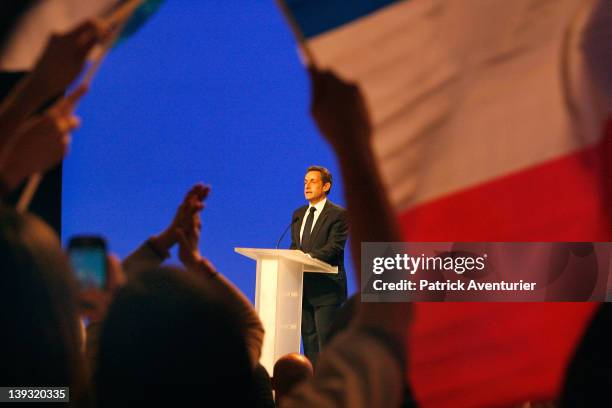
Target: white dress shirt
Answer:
[[319, 206]]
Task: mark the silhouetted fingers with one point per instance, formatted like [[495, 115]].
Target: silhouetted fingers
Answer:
[[67, 104], [115, 276], [88, 33]]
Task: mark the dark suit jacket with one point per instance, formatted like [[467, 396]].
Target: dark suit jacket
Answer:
[[328, 238]]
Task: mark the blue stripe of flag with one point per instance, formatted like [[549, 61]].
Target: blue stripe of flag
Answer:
[[315, 17]]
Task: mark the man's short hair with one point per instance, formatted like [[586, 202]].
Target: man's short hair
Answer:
[[326, 175]]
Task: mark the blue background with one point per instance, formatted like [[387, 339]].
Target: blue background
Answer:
[[205, 91]]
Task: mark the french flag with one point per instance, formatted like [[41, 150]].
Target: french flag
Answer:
[[490, 124]]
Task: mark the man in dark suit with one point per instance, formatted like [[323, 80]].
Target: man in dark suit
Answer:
[[320, 230]]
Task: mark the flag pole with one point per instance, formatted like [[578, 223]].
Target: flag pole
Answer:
[[303, 48], [28, 192], [118, 18]]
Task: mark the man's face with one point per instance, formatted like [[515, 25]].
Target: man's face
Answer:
[[314, 189]]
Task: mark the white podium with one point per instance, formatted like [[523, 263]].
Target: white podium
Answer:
[[278, 297]]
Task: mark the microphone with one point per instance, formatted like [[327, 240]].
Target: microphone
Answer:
[[286, 229]]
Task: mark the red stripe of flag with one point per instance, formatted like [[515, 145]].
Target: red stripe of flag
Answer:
[[497, 354]]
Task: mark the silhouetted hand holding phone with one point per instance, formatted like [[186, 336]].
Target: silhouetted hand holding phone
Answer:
[[93, 301]]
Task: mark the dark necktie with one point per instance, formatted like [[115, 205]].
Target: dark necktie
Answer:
[[307, 227]]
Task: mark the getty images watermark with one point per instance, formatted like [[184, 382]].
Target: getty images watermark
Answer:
[[486, 271]]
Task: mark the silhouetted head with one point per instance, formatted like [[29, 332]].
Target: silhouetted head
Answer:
[[289, 371], [41, 338], [169, 339], [261, 389]]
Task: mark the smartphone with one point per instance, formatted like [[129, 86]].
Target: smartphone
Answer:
[[88, 258]]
